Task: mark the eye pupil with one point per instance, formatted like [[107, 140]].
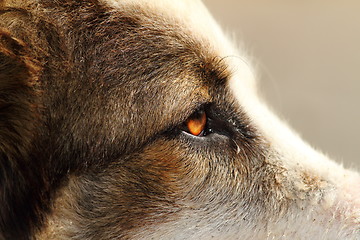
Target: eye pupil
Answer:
[[196, 124]]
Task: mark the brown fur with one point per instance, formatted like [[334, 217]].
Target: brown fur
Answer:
[[93, 151], [19, 119]]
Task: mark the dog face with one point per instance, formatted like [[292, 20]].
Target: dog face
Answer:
[[137, 120]]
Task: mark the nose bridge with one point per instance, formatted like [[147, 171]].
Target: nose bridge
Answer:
[[322, 189], [295, 152], [321, 186], [297, 155]]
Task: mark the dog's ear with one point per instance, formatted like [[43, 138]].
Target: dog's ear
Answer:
[[18, 96], [19, 115]]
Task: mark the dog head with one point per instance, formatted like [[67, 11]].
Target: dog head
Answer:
[[140, 120]]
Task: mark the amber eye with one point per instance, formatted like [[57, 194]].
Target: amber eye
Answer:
[[196, 124]]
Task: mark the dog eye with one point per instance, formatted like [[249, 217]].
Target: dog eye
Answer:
[[196, 124]]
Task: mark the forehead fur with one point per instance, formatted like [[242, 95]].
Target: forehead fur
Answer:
[[194, 16]]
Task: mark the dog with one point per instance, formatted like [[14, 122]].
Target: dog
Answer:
[[139, 119]]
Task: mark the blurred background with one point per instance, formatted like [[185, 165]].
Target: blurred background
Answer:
[[307, 56]]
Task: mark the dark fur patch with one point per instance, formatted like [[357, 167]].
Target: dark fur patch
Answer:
[[19, 119]]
